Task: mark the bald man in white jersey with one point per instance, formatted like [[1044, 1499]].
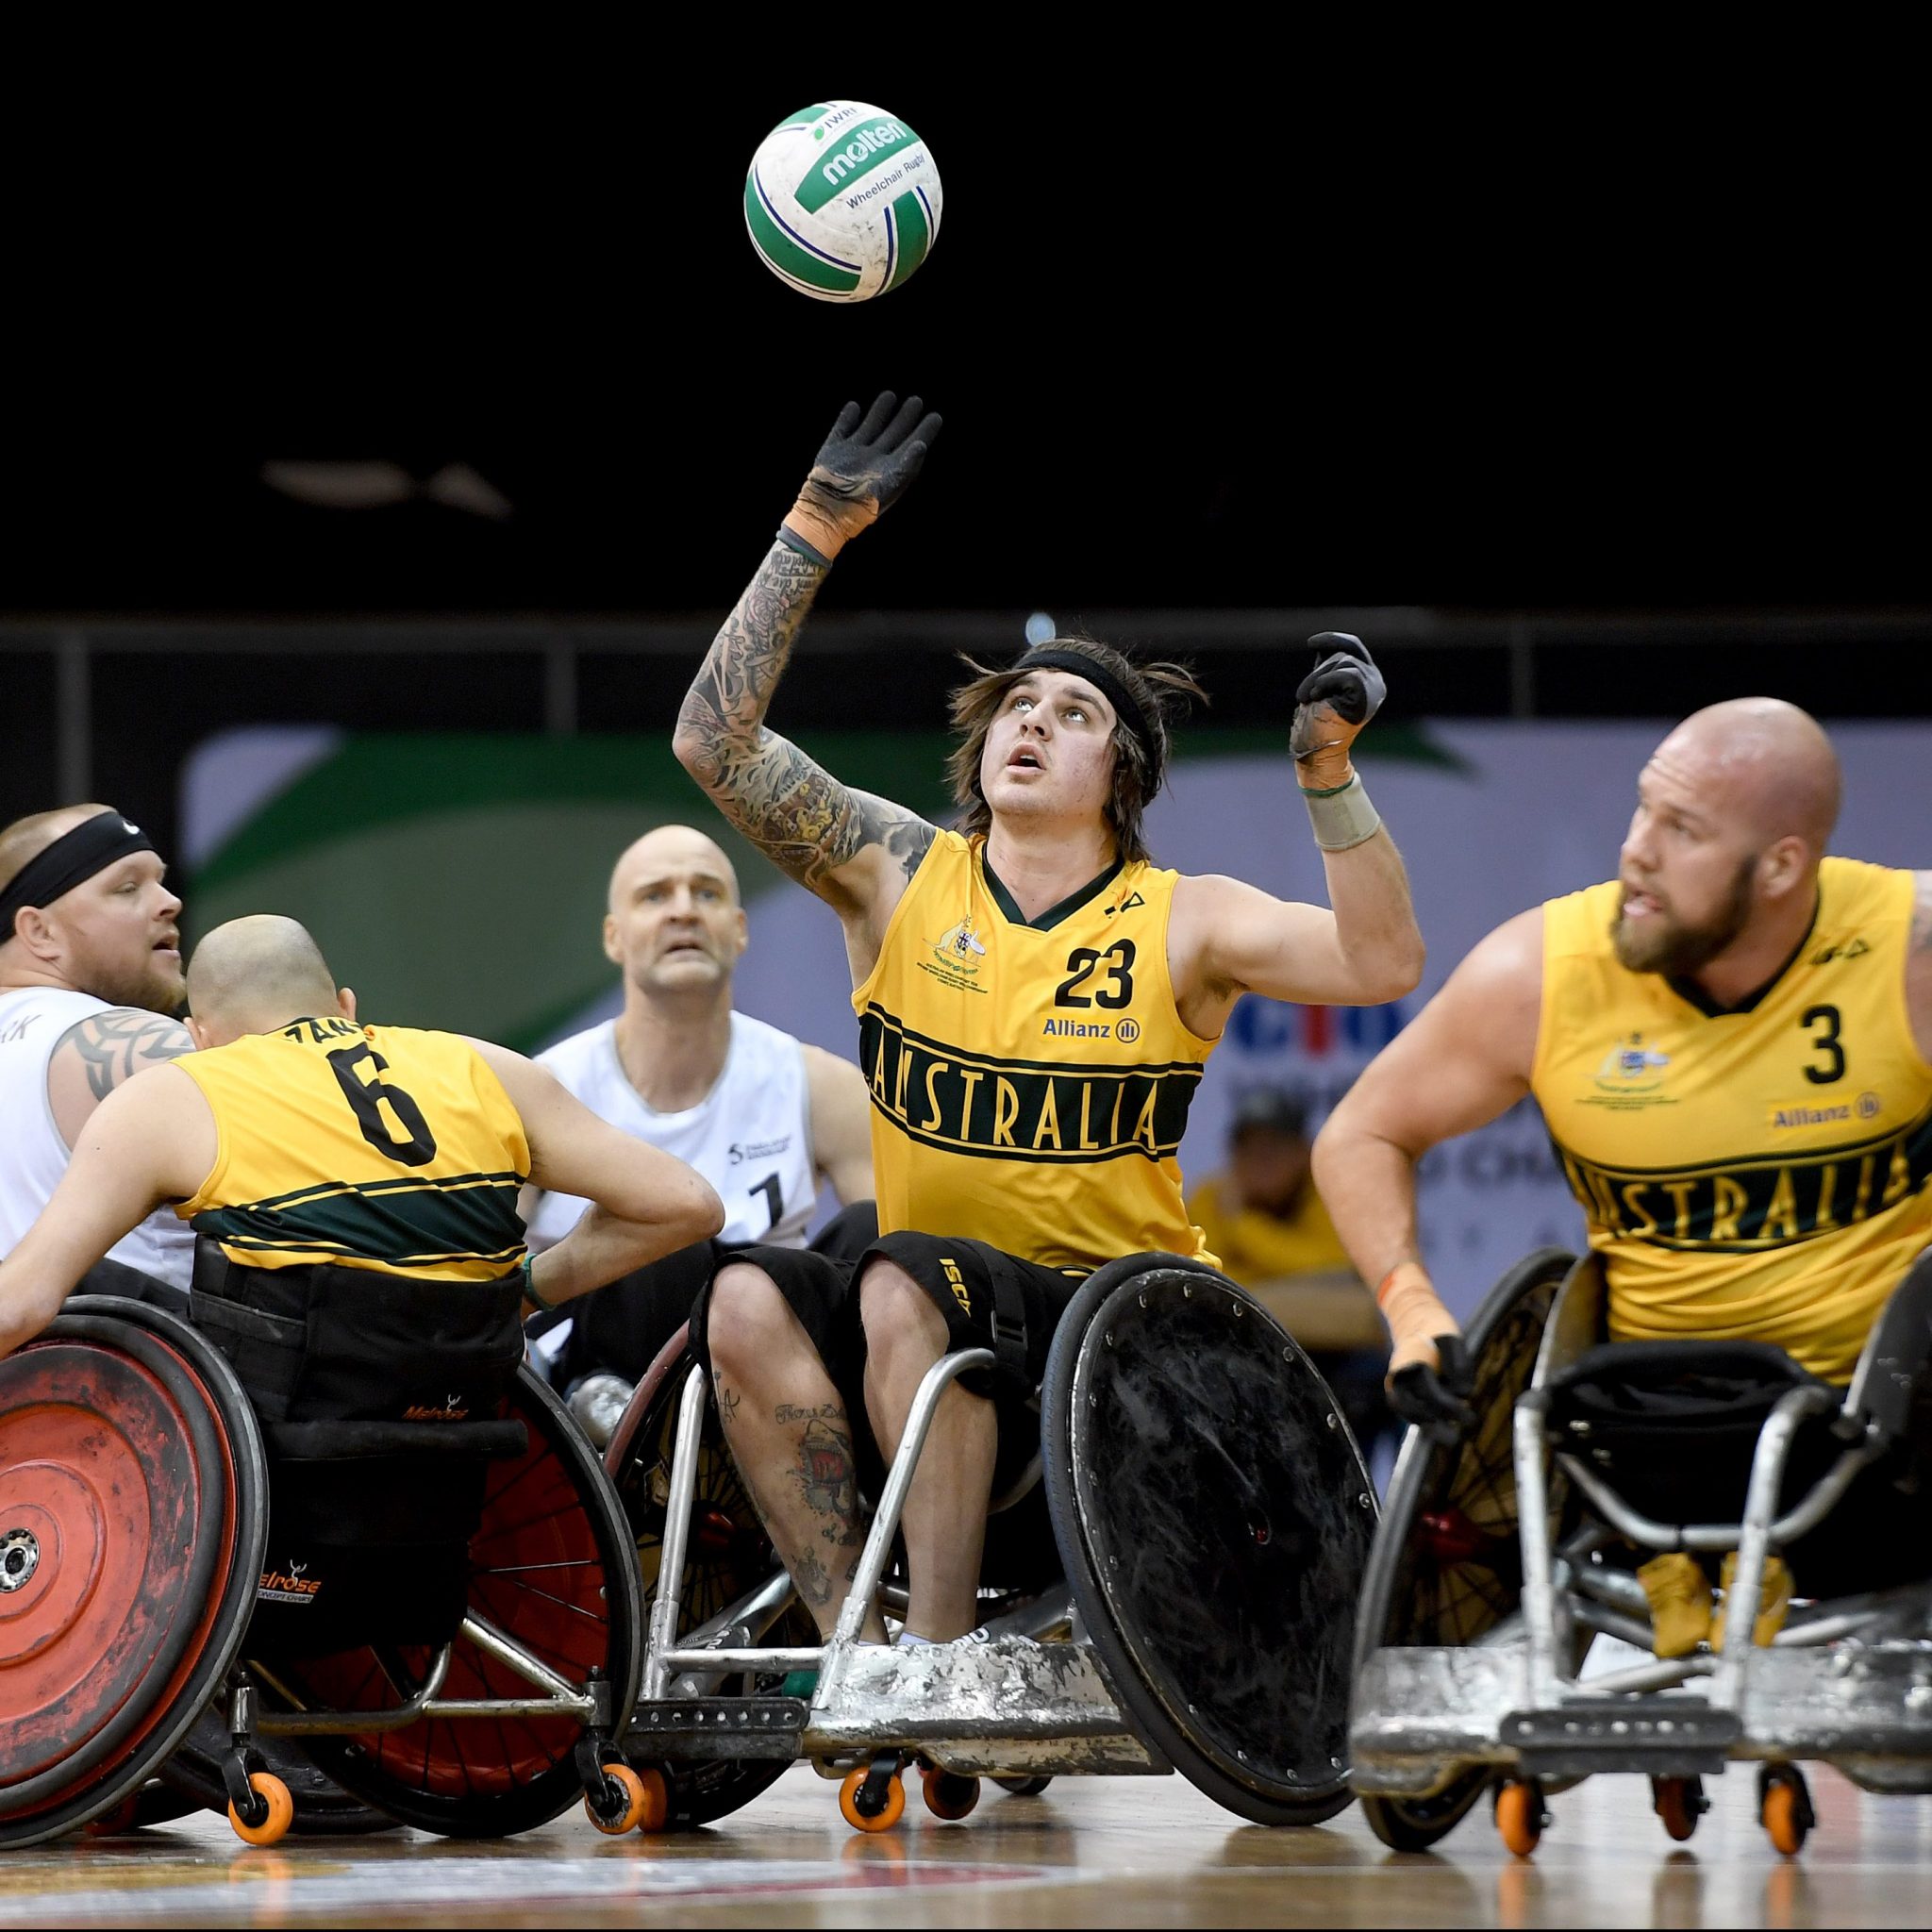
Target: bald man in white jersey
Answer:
[[762, 1116], [89, 979]]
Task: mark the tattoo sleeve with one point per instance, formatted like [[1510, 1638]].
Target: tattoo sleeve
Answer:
[[114, 1046], [800, 816]]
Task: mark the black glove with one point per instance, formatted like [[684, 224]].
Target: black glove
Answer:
[[1333, 703], [1345, 679], [862, 468], [1436, 1399]]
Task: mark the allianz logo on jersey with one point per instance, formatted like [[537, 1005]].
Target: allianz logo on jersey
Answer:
[[1125, 1030], [1787, 1115]]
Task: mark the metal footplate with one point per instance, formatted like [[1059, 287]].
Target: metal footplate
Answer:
[[1666, 1737], [722, 1727], [1005, 1706]]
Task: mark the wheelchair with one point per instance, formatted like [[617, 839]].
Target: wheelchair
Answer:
[[1503, 1555], [1210, 1523], [216, 1592]]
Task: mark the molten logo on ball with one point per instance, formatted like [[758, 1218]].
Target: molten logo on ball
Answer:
[[842, 201]]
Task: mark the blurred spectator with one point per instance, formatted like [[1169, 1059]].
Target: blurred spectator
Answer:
[[1263, 1218]]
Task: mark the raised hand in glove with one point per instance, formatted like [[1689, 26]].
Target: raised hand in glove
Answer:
[[1331, 704], [863, 467], [1434, 1395]]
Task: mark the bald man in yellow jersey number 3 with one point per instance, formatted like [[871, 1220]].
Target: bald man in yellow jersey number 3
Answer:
[[1036, 1003], [1729, 1042]]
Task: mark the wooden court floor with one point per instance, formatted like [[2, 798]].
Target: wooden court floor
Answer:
[[1115, 1853]]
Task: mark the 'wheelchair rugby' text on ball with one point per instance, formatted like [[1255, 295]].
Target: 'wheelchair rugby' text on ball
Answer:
[[842, 201]]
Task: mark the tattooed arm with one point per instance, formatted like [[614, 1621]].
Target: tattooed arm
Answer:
[[857, 852], [98, 1054], [1919, 967]]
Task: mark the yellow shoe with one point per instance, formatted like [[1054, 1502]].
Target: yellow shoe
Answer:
[[1773, 1600], [1680, 1602]]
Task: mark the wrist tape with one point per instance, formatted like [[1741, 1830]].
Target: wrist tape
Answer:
[[1342, 816], [819, 533], [1415, 1315]]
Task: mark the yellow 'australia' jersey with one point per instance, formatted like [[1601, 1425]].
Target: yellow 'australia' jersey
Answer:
[[1030, 1080], [1757, 1173], [380, 1147]]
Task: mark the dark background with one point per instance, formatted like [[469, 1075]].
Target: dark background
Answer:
[[1618, 341]]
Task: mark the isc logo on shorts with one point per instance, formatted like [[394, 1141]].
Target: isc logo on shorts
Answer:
[[957, 1283]]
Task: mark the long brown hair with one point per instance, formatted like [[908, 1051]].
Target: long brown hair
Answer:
[[1161, 689]]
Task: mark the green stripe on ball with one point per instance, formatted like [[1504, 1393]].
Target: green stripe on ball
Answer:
[[784, 254]]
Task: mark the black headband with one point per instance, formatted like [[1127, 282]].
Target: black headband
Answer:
[[74, 858], [1130, 714]]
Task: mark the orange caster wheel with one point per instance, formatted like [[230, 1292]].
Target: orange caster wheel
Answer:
[[1680, 1803], [281, 1811], [631, 1801], [1784, 1808], [1519, 1814], [870, 1803], [948, 1794]]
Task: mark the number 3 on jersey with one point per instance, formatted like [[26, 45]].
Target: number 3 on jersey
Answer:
[[1824, 1022]]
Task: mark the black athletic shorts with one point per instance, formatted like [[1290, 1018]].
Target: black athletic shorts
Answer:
[[619, 1328], [990, 1299]]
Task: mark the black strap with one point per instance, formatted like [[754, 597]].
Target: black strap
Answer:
[[351, 1442], [1009, 1327]]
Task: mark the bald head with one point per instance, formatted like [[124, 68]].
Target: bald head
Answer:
[[669, 851], [1762, 765], [675, 926], [253, 974]]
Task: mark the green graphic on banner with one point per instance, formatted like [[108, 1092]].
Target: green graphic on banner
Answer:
[[459, 881]]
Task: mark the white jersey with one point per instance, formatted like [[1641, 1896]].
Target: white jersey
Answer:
[[750, 1137], [33, 1156]]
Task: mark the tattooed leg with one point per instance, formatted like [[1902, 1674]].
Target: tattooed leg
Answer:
[[791, 1438], [944, 1518]]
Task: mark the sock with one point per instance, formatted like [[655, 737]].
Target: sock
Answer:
[[909, 1640]]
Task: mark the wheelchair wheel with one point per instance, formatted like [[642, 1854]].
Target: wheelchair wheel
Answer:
[[550, 1567], [1446, 1566], [133, 1512], [728, 1554], [1214, 1517]]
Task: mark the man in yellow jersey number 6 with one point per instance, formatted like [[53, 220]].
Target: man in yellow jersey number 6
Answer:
[[1036, 1003], [1729, 1043], [298, 1136]]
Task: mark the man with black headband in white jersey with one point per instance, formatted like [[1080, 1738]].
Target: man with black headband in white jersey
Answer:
[[90, 981], [1035, 1004]]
